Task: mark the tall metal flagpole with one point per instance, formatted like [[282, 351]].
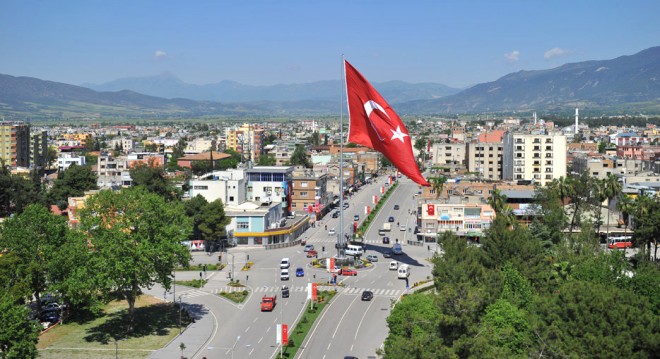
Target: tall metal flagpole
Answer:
[[340, 249]]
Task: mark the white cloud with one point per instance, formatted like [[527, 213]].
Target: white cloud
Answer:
[[160, 54], [512, 56], [555, 52]]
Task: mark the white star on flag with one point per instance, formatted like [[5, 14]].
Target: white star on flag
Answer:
[[398, 134]]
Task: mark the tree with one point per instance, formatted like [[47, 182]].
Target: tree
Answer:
[[612, 189], [267, 160], [16, 193], [137, 239], [18, 333], [229, 162], [212, 224], [51, 156], [626, 206], [194, 208], [647, 222], [437, 184], [73, 182], [201, 167], [300, 158], [506, 331], [35, 237], [315, 138], [151, 176], [177, 152]]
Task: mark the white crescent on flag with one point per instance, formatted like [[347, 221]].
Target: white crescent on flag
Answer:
[[369, 107]]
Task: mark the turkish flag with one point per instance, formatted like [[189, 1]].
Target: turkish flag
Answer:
[[285, 334], [431, 210], [374, 124]]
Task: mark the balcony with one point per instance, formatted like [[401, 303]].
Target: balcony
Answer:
[[520, 148], [548, 148], [537, 148]]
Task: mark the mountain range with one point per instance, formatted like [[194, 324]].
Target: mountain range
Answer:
[[624, 83]]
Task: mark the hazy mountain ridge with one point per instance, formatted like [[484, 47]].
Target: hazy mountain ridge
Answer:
[[167, 85], [606, 83]]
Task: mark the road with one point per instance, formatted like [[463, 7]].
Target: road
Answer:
[[347, 326]]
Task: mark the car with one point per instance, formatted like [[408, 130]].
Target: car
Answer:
[[309, 247], [396, 207], [391, 219], [356, 217], [51, 317], [396, 249], [402, 227], [300, 272], [372, 258], [312, 253], [345, 205], [386, 240], [335, 214], [348, 272], [367, 295], [285, 291], [387, 254], [52, 306], [394, 265], [284, 274], [332, 232], [285, 263]]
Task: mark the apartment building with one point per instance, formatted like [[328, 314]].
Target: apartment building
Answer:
[[67, 159], [112, 171], [309, 193], [38, 149], [270, 184], [533, 157], [230, 186], [466, 220], [15, 143], [247, 140], [125, 144], [448, 154], [485, 158]]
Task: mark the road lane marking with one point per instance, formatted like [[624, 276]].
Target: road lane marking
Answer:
[[361, 320], [255, 319], [251, 351], [246, 330], [268, 330], [342, 317], [262, 338]]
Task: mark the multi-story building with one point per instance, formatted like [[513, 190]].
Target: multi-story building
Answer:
[[466, 220], [230, 186], [262, 224], [533, 157], [270, 184], [247, 140], [38, 149], [15, 144], [309, 193], [68, 159], [150, 158], [81, 138], [451, 154], [125, 144], [112, 171], [485, 158]]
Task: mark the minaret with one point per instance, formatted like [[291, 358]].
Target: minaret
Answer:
[[576, 120], [534, 118]]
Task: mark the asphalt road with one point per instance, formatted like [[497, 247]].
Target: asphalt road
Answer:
[[347, 326]]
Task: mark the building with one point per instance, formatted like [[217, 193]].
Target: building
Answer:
[[230, 186], [248, 140], [262, 224], [448, 154], [270, 184], [15, 143], [123, 144], [38, 149], [309, 193], [112, 171], [68, 159], [485, 158], [149, 158], [466, 220], [188, 160], [533, 157]]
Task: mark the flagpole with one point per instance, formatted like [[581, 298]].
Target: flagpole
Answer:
[[341, 165]]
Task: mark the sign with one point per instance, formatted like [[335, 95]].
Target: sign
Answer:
[[309, 291], [368, 209], [314, 292], [375, 199], [278, 334], [285, 334], [331, 266], [382, 189], [431, 209]]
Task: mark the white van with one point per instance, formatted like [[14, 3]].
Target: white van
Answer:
[[403, 271], [394, 265], [284, 274], [285, 263], [352, 250]]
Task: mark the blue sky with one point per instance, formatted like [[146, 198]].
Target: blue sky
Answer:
[[457, 43]]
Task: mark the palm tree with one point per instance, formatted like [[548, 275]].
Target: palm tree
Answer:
[[626, 206], [438, 183], [612, 188], [498, 202]]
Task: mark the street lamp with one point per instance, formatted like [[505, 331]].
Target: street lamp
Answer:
[[117, 348], [180, 307]]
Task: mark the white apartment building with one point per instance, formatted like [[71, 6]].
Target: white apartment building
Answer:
[[533, 157], [485, 158], [270, 184], [126, 144], [230, 186], [448, 154], [66, 160]]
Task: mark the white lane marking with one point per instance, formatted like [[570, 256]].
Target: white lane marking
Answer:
[[262, 338], [361, 320], [251, 351], [246, 329], [342, 317], [215, 331], [268, 330], [255, 319]]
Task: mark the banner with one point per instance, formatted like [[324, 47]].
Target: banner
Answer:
[[285, 334], [314, 292], [309, 291], [368, 209], [382, 189], [375, 199], [331, 266], [431, 210], [278, 334]]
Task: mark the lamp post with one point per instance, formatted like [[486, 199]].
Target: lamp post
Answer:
[[180, 305], [117, 348], [232, 265]]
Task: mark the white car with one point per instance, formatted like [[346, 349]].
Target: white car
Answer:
[[402, 228], [332, 232], [285, 263], [394, 265], [284, 274]]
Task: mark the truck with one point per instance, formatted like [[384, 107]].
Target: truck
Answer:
[[387, 226], [268, 303]]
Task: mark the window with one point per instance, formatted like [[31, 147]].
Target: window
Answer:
[[231, 198], [303, 194], [204, 188], [243, 225], [304, 184]]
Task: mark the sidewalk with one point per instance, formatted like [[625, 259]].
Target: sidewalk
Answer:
[[196, 335]]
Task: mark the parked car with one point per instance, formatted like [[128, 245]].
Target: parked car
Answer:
[[387, 254], [348, 272], [51, 317], [312, 253], [309, 247], [52, 306], [335, 214], [402, 227], [396, 207], [386, 240], [372, 258], [367, 295], [332, 232], [300, 272], [391, 219]]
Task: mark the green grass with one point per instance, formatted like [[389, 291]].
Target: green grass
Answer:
[[200, 267], [298, 333], [87, 336], [195, 283], [236, 297]]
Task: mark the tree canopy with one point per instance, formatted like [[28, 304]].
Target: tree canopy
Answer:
[[72, 182]]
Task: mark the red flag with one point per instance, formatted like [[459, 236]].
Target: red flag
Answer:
[[374, 124], [285, 334]]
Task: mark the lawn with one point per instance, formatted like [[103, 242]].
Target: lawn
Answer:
[[156, 324], [298, 333], [236, 297]]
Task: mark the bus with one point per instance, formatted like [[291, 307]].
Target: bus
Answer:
[[620, 242]]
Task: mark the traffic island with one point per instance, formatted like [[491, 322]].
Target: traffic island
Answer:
[[301, 329], [237, 297]]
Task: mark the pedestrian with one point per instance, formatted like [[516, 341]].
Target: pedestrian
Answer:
[[200, 275], [246, 278], [326, 227]]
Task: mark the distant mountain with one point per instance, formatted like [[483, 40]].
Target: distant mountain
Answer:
[[616, 83], [169, 86]]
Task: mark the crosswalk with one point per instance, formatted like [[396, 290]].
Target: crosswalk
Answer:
[[334, 240], [192, 293]]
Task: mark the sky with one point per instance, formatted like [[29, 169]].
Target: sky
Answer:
[[456, 43]]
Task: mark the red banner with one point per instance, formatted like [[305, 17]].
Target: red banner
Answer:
[[355, 227], [375, 199], [285, 334], [431, 209], [368, 209], [310, 208], [314, 292], [331, 267]]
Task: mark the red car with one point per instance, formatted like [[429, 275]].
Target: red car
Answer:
[[348, 271], [312, 253]]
